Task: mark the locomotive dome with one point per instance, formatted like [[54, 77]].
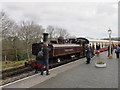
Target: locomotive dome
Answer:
[[61, 39]]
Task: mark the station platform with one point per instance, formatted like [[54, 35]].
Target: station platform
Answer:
[[76, 74]]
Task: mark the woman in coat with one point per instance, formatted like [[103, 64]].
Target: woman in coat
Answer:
[[117, 51]]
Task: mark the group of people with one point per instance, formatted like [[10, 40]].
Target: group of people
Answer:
[[90, 51], [117, 50]]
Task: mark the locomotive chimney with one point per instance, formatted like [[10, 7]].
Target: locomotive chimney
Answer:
[[45, 37]]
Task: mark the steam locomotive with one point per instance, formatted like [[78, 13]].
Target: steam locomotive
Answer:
[[66, 49], [61, 50]]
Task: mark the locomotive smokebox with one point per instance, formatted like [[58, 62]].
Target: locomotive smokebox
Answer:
[[45, 37]]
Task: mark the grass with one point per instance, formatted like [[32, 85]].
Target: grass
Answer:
[[8, 64]]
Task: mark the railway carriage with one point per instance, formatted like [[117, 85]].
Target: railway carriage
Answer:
[[103, 44]]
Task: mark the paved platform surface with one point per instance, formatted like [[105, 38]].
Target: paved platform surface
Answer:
[[30, 81], [86, 76], [76, 75]]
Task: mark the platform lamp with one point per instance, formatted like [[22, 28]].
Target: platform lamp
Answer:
[[110, 31]]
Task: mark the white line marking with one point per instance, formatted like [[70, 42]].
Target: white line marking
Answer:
[[36, 74]]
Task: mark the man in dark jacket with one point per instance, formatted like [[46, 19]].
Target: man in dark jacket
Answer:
[[92, 50], [88, 54], [45, 61]]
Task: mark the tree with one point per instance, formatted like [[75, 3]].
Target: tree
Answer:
[[18, 38], [55, 32], [61, 32], [51, 31], [29, 32], [8, 33], [6, 24]]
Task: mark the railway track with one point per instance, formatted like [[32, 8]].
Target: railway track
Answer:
[[13, 74]]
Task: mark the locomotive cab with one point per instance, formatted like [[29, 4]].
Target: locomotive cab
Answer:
[[36, 47]]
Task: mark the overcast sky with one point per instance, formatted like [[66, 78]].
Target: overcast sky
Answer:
[[88, 19]]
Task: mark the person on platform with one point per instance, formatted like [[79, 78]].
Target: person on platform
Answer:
[[88, 54], [112, 48], [117, 51], [97, 49], [93, 47], [45, 60], [92, 50]]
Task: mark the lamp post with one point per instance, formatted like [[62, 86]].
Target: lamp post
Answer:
[[110, 55]]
